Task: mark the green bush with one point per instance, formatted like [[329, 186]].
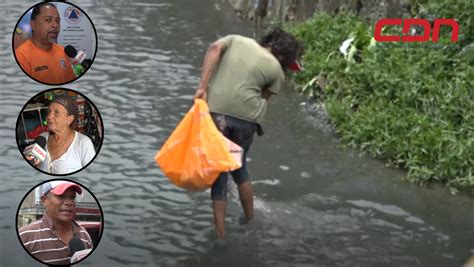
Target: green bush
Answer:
[[412, 104]]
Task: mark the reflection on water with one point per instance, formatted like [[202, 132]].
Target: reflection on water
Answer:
[[316, 202]]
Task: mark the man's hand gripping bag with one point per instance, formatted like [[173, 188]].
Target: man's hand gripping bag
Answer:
[[196, 152]]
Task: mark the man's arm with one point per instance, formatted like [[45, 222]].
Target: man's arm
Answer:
[[266, 93], [23, 61], [211, 60]]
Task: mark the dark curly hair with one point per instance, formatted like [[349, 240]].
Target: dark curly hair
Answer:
[[284, 46]]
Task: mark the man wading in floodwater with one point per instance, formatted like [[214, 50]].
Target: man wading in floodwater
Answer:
[[238, 77]]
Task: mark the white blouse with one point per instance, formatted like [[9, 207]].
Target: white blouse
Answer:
[[79, 154]]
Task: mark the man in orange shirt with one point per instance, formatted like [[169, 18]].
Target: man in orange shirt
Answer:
[[41, 57]]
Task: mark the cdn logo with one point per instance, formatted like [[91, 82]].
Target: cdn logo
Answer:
[[408, 23]]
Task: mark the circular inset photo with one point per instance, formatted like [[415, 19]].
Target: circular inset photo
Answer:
[[59, 222], [59, 131], [54, 43]]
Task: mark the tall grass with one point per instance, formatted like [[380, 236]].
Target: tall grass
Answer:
[[411, 104]]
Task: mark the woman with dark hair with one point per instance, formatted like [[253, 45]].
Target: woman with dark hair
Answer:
[[238, 77], [67, 150]]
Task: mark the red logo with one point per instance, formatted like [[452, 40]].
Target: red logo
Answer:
[[41, 153], [407, 23]]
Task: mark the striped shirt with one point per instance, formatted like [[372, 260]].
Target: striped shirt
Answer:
[[43, 243]]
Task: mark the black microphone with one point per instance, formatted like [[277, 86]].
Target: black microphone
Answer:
[[75, 245], [77, 250], [37, 149], [87, 63], [78, 59]]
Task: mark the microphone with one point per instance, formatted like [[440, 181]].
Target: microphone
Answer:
[[37, 150], [75, 245], [77, 249], [78, 59]]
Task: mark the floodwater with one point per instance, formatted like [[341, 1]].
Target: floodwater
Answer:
[[317, 203]]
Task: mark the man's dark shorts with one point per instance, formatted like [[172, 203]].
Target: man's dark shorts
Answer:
[[240, 132]]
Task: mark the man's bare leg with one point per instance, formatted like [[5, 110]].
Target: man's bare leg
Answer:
[[219, 207], [246, 199]]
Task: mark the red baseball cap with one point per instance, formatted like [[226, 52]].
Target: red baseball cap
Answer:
[[59, 187]]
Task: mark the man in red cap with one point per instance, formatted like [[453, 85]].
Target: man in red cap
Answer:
[[47, 239], [238, 77]]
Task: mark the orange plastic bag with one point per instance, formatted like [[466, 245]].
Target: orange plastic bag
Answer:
[[196, 152]]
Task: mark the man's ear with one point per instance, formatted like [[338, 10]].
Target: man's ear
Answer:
[[43, 199], [32, 25]]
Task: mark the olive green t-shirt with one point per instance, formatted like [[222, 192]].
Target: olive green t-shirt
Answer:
[[245, 69]]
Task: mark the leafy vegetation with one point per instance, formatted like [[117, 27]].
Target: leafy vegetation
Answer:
[[411, 104]]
